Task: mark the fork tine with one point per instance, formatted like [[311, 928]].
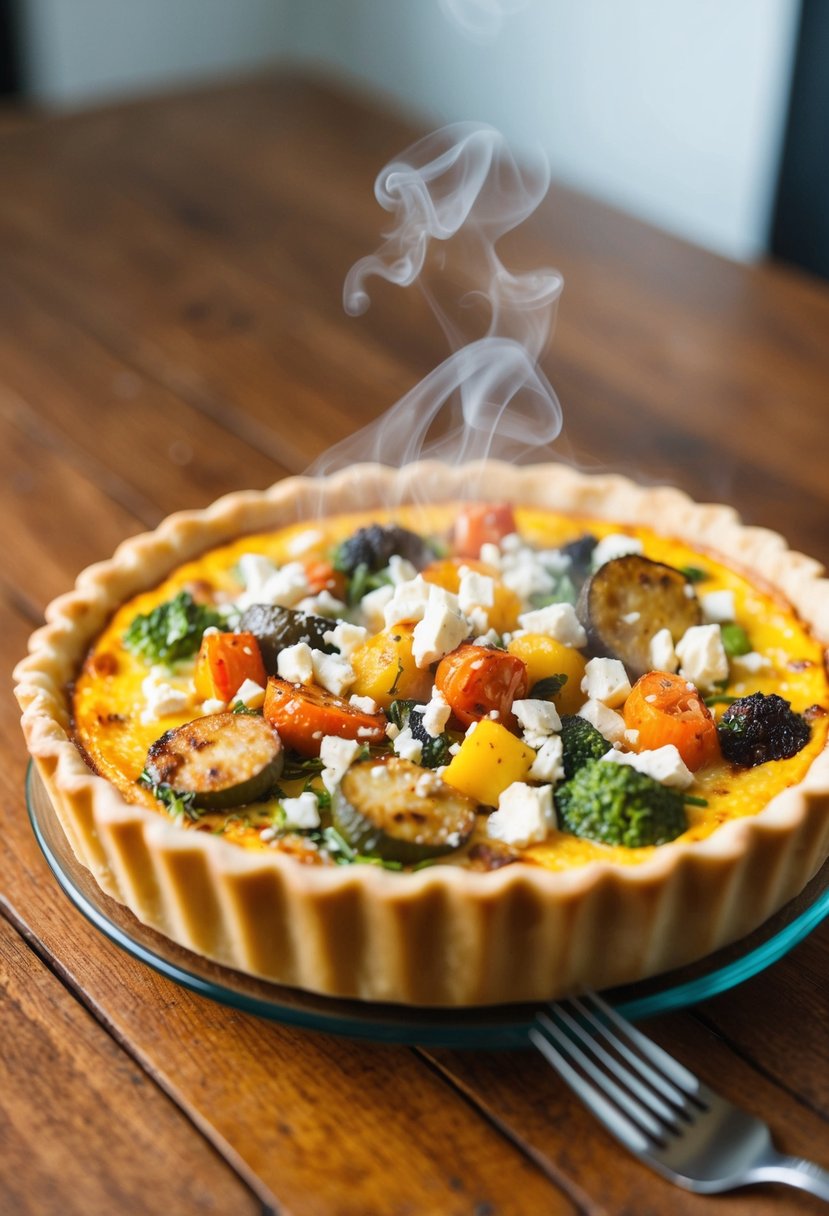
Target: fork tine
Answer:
[[617, 1123], [628, 1105]]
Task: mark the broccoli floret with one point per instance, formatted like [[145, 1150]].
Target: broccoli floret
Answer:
[[172, 631], [759, 728], [581, 743], [435, 749], [372, 548], [615, 804]]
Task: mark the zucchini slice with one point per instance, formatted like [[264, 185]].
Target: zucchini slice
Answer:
[[275, 628], [398, 811], [225, 759], [627, 601]]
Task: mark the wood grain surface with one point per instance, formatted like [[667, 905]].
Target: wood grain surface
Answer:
[[171, 328]]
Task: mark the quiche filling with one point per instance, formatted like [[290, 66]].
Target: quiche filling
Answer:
[[471, 685]]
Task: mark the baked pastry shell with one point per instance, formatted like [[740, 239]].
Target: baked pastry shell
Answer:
[[442, 936]]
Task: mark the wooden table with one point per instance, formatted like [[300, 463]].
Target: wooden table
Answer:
[[171, 329]]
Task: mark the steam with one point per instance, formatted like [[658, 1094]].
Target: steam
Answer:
[[453, 195], [481, 20]]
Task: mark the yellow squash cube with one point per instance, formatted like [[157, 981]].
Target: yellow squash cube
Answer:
[[490, 759], [546, 657]]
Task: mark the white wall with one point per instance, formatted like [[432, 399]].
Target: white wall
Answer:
[[671, 109]]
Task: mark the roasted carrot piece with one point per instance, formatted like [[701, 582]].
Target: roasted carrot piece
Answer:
[[303, 713], [477, 680], [225, 661], [322, 576], [482, 523], [663, 708]]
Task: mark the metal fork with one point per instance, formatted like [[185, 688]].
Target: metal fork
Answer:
[[658, 1109]]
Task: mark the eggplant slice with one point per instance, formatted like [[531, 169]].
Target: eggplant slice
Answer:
[[627, 601]]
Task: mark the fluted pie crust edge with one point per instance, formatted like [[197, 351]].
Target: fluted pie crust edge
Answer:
[[443, 936]]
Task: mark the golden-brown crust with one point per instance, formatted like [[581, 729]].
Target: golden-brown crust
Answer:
[[444, 935]]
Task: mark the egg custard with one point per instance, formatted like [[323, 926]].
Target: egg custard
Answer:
[[447, 755]]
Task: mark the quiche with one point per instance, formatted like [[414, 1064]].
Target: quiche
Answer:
[[560, 732]]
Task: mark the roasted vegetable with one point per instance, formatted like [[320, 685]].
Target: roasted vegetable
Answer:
[[580, 552], [223, 760], [545, 657], [761, 727], [385, 669], [478, 681], [435, 747], [504, 612], [735, 640], [398, 811], [374, 546], [304, 713], [225, 661], [490, 759], [616, 805], [276, 628], [172, 631], [663, 709], [581, 743], [627, 601], [482, 523]]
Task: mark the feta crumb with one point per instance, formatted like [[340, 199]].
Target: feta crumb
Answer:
[[265, 584], [478, 619], [346, 637], [558, 621], [440, 631], [296, 664], [162, 698], [321, 604], [717, 607], [435, 714], [392, 731], [454, 749], [251, 694], [490, 555], [752, 662], [606, 721], [606, 680], [302, 812], [213, 706], [372, 607], [400, 570], [548, 765], [407, 747], [337, 755], [632, 737], [408, 601], [630, 618], [525, 814], [332, 671], [663, 764], [427, 784], [661, 652], [366, 705], [476, 591], [617, 544], [537, 717], [702, 656]]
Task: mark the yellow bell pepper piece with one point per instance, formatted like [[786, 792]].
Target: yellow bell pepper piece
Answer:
[[385, 669], [490, 759], [546, 657]]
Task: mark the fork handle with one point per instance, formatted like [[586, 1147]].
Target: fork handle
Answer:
[[793, 1171]]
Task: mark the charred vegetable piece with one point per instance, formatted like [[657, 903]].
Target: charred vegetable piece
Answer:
[[581, 743], [761, 727], [374, 546], [478, 681], [225, 661], [385, 667], [482, 523], [616, 805], [627, 601], [172, 631], [580, 552], [398, 811], [304, 713], [223, 760], [276, 628], [435, 747], [664, 709]]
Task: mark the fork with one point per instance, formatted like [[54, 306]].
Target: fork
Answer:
[[658, 1109]]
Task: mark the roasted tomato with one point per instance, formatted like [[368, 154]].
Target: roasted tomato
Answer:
[[303, 713], [477, 680], [225, 661], [482, 523], [664, 708]]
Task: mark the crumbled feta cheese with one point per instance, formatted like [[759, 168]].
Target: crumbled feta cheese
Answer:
[[661, 651], [211, 630], [617, 544], [717, 607], [407, 747], [525, 814], [478, 619], [303, 541], [606, 680], [213, 706], [455, 748], [524, 573], [663, 764], [251, 694], [632, 737], [511, 543], [321, 604], [476, 590], [372, 607], [408, 601], [400, 570], [296, 664], [702, 656], [606, 721], [537, 717], [490, 638], [332, 671], [558, 621], [302, 812], [162, 698], [435, 714], [548, 765], [752, 662], [630, 618], [254, 571], [366, 705], [392, 731], [439, 632], [428, 784], [346, 637], [337, 755], [490, 555], [265, 584]]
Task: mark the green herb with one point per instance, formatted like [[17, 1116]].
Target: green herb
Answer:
[[563, 592], [362, 580], [549, 687], [693, 800], [172, 631], [176, 804], [694, 574], [297, 767], [398, 713], [400, 669], [735, 640], [435, 750], [343, 854], [720, 698], [239, 707]]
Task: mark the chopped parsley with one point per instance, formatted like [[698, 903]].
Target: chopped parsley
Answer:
[[171, 631], [549, 687], [176, 804]]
